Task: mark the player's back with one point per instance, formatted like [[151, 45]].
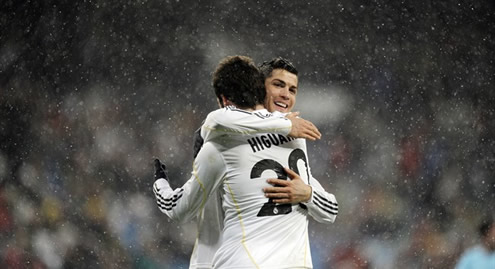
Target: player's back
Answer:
[[239, 154], [257, 232]]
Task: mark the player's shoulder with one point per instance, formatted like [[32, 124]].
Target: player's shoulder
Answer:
[[232, 112], [227, 111], [214, 116], [260, 113], [279, 114]]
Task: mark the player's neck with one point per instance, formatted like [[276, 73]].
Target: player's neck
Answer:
[[227, 102]]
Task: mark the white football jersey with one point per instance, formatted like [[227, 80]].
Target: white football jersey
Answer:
[[235, 162], [210, 226]]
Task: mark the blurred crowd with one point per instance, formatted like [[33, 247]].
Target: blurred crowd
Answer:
[[85, 107]]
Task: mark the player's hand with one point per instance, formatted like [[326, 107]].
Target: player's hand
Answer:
[[291, 191], [302, 128], [160, 170]]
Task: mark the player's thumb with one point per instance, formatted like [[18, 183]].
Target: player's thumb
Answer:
[[157, 164], [293, 114]]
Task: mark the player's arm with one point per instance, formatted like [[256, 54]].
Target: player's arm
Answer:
[[321, 205], [291, 191], [229, 120], [183, 203], [302, 128]]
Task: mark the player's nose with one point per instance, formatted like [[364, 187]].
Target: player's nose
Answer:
[[284, 93]]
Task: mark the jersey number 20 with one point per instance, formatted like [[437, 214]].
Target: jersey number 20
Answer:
[[270, 208]]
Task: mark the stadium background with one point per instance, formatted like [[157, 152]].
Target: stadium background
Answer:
[[91, 91]]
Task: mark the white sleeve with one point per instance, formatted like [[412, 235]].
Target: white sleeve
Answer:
[[229, 120], [182, 204], [322, 206]]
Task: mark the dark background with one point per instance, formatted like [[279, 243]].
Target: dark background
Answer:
[[91, 91]]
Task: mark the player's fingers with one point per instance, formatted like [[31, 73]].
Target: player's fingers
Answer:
[[270, 190], [316, 134], [273, 190], [276, 195], [308, 134], [311, 131], [281, 201], [158, 164], [314, 129], [278, 182], [292, 115], [295, 113]]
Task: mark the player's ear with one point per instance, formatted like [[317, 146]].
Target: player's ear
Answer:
[[220, 101], [225, 102]]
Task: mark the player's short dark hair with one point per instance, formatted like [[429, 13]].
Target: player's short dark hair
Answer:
[[485, 226], [239, 80], [267, 68]]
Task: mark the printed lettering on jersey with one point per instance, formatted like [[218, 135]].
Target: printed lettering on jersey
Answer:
[[266, 141]]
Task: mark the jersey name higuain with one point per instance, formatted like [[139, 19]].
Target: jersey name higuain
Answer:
[[262, 142]]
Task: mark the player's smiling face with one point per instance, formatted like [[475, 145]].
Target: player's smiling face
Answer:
[[281, 91]]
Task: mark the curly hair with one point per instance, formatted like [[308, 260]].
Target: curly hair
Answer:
[[239, 80]]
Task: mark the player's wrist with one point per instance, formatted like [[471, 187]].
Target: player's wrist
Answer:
[[309, 195]]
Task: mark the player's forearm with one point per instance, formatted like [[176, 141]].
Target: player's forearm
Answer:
[[234, 122], [182, 204], [322, 206], [171, 201]]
